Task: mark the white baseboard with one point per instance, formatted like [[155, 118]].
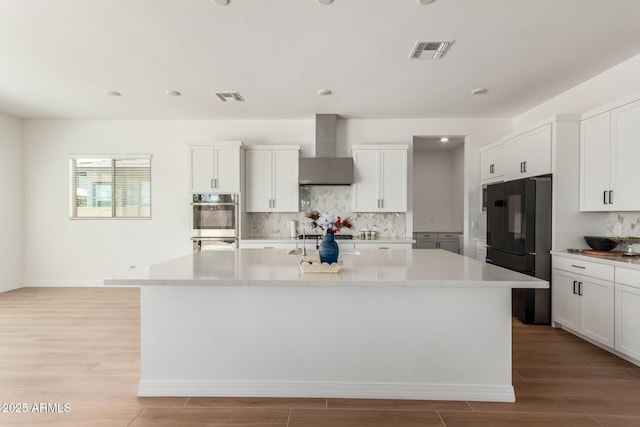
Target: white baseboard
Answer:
[[10, 287], [458, 392], [62, 283]]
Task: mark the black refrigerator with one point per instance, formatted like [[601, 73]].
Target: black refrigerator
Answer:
[[519, 238]]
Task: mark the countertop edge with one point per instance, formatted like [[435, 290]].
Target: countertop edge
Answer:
[[328, 282], [633, 264]]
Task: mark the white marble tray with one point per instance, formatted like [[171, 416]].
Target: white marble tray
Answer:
[[315, 266]]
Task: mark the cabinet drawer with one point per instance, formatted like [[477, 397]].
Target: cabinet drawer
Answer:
[[585, 268], [628, 277], [448, 236], [429, 236]]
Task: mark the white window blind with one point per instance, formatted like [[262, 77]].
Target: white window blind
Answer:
[[110, 186]]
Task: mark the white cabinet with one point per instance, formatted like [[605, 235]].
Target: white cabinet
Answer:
[[595, 163], [215, 168], [380, 178], [272, 179], [481, 250], [528, 154], [609, 151], [625, 135], [583, 298], [627, 306], [492, 163]]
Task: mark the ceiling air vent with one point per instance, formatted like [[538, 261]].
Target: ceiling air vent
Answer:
[[430, 50], [229, 96]]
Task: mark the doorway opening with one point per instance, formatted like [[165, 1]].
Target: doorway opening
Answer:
[[438, 186]]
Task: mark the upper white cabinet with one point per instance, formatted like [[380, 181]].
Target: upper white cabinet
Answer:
[[380, 178], [528, 154], [215, 168], [492, 163], [272, 179], [595, 162], [609, 150]]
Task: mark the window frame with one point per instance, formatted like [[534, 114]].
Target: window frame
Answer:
[[73, 205]]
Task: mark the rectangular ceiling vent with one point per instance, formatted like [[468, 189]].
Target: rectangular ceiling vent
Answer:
[[430, 50], [229, 96]]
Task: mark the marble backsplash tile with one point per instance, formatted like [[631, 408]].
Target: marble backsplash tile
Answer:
[[623, 224], [332, 199]]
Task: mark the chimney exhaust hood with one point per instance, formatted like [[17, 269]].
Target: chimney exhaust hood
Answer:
[[326, 168]]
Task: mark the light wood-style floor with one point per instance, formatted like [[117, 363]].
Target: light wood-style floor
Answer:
[[80, 346]]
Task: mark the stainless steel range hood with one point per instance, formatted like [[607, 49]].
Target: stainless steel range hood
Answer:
[[326, 168]]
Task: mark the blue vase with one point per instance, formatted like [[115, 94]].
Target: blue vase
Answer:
[[328, 249]]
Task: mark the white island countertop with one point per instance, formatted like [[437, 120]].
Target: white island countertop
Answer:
[[385, 267], [391, 324]]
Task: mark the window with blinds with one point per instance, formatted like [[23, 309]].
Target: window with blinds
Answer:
[[110, 186]]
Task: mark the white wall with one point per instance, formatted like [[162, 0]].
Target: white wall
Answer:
[[457, 173], [60, 251], [11, 204], [438, 190], [617, 82]]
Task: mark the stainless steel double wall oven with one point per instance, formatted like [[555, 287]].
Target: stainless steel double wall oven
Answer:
[[214, 221]]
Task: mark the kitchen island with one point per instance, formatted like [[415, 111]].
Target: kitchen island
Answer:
[[406, 324]]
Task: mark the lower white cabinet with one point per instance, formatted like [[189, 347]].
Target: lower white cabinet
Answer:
[[627, 306], [582, 302]]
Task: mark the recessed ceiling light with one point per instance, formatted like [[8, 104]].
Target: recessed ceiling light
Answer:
[[221, 2], [172, 93], [112, 93], [425, 2], [444, 139], [324, 92], [325, 1], [479, 91]]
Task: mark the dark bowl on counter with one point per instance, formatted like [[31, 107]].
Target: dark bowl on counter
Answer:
[[601, 243]]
